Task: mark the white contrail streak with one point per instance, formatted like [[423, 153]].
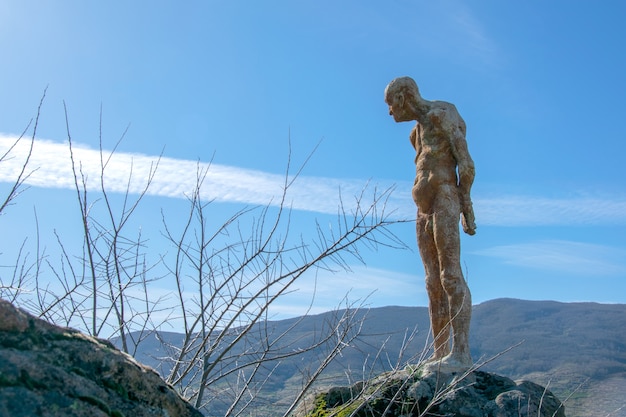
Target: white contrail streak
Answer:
[[50, 167]]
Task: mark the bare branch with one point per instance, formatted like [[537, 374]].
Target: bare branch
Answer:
[[23, 175]]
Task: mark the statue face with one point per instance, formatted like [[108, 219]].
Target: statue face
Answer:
[[396, 107]]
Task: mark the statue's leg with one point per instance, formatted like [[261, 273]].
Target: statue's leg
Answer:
[[437, 298], [447, 240]]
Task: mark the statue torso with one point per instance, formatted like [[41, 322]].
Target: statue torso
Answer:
[[435, 161]]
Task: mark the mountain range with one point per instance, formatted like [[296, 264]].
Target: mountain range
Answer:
[[577, 350]]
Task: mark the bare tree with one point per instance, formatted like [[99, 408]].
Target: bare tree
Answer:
[[21, 272], [114, 262], [227, 276], [237, 281]]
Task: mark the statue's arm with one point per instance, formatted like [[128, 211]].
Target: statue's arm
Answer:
[[466, 173], [413, 137]]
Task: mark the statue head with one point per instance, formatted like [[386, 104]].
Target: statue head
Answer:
[[400, 95]]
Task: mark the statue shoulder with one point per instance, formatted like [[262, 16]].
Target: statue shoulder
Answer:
[[443, 109], [446, 116]]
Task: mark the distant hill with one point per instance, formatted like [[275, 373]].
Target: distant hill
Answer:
[[563, 346]]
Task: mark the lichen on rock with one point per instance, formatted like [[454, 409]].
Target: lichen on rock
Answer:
[[47, 371], [412, 392]]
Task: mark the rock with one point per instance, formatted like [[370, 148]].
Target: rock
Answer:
[[48, 371], [423, 392]]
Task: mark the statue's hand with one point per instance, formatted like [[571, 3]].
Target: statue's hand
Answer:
[[469, 226], [467, 218]]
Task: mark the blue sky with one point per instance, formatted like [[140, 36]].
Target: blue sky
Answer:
[[539, 84]]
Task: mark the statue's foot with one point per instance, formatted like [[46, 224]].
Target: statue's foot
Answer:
[[451, 363], [459, 361]]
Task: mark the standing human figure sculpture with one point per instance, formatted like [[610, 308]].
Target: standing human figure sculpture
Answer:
[[444, 177]]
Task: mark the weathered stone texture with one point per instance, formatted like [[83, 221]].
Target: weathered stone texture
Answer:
[[48, 371], [410, 393]]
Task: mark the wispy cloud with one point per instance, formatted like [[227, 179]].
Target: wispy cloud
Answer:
[[176, 178], [314, 293], [472, 35], [575, 258], [361, 285], [541, 211]]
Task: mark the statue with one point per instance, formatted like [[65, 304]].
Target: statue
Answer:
[[443, 179]]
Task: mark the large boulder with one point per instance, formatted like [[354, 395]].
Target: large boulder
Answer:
[[418, 391], [47, 370]]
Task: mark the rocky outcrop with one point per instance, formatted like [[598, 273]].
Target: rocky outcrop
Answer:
[[423, 392], [47, 370]]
